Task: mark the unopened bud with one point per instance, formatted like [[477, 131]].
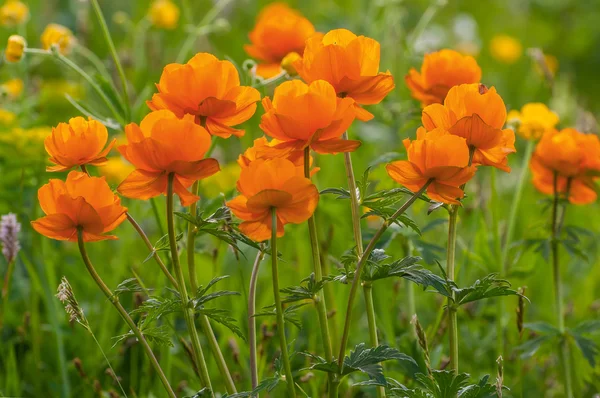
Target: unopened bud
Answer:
[[15, 48], [287, 63]]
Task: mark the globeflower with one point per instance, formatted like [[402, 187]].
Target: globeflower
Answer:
[[13, 12], [440, 71], [82, 202], [209, 90], [164, 14], [534, 120], [350, 64], [161, 145], [476, 113], [303, 115], [263, 149], [571, 156], [77, 143], [436, 156], [59, 36], [279, 31], [15, 48], [268, 184]]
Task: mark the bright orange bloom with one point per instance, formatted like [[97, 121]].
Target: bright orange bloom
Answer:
[[476, 113], [279, 30], [163, 144], [437, 156], [210, 90], [575, 159], [302, 115], [263, 149], [58, 35], [348, 62], [272, 183], [77, 143], [441, 71], [81, 202]]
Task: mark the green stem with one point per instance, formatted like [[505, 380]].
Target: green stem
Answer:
[[450, 268], [319, 298], [204, 322], [159, 221], [279, 308], [252, 319], [563, 352], [367, 288], [115, 302], [155, 255], [115, 56], [501, 318], [66, 61], [108, 362], [359, 268], [7, 278], [188, 313]]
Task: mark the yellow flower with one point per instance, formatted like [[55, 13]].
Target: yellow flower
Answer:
[[13, 12], [116, 169], [534, 120], [58, 35], [24, 145], [15, 48], [7, 117], [13, 88], [224, 181], [164, 14], [287, 63], [506, 49]]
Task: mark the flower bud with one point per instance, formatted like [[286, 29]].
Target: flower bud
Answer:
[[15, 48], [287, 63], [58, 36]]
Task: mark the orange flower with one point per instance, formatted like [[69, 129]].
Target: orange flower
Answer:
[[302, 115], [350, 63], [575, 159], [77, 143], [437, 156], [263, 149], [476, 113], [279, 30], [272, 183], [81, 202], [163, 144], [441, 71], [210, 90]]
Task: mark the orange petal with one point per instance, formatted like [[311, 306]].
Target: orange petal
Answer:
[[221, 130], [56, 226], [143, 185], [335, 146]]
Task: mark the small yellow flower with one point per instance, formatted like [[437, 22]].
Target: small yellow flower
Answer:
[[58, 35], [287, 63], [7, 117], [13, 13], [222, 182], [506, 49], [13, 88], [164, 14], [15, 48], [116, 169], [534, 120]]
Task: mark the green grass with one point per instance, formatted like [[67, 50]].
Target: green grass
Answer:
[[38, 345]]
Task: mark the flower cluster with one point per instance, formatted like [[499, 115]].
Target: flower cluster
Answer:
[[9, 236]]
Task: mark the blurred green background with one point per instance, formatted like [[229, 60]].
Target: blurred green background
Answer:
[[37, 343]]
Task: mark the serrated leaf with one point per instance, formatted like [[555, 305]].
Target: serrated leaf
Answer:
[[588, 327], [162, 244], [340, 193], [588, 348], [299, 293], [128, 286], [530, 347], [222, 317], [156, 307], [443, 383], [487, 287], [542, 328], [159, 335]]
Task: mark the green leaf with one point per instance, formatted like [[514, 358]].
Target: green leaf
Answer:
[[156, 307], [365, 360], [289, 313], [542, 328], [128, 286], [443, 383], [587, 327], [484, 288], [480, 390], [530, 347], [158, 334], [407, 268], [341, 193], [299, 293], [222, 316], [588, 348], [162, 245]]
